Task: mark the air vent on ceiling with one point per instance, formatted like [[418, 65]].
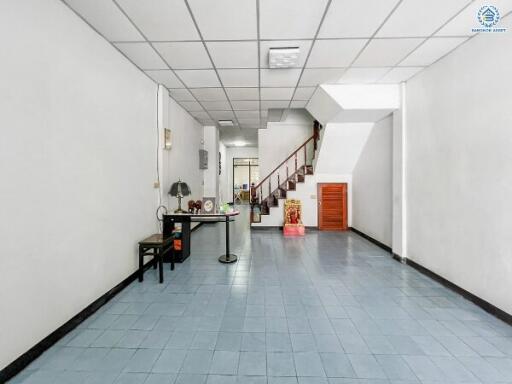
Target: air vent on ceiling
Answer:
[[285, 57], [226, 123]]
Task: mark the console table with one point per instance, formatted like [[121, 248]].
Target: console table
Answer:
[[186, 218]]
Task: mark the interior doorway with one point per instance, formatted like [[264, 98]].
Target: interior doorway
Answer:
[[332, 206], [246, 171]]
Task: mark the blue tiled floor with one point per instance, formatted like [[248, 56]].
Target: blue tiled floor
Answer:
[[328, 308]]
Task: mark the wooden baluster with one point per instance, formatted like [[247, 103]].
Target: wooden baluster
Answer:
[[278, 180], [305, 157], [287, 172], [261, 194], [295, 161]]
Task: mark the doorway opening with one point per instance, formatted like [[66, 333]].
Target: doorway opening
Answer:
[[246, 172], [332, 206]]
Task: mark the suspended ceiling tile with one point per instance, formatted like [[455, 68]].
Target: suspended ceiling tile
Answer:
[[290, 19], [234, 54], [142, 55], [282, 77], [216, 105], [304, 93], [315, 76], [243, 93], [239, 77], [181, 94], [198, 78], [189, 55], [334, 53], [107, 19], [266, 104], [399, 74], [342, 19], [165, 77], [420, 18], [298, 104], [209, 94], [191, 106], [161, 20], [240, 105], [432, 50], [386, 52], [276, 93], [225, 19], [363, 75]]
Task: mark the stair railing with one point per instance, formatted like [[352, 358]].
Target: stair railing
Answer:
[[295, 164]]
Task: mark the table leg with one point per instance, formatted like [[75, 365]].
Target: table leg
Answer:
[[160, 264], [141, 264], [228, 257]]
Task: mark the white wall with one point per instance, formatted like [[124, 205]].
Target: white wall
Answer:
[[459, 167], [234, 152], [182, 161], [77, 164], [211, 175], [372, 184], [280, 139]]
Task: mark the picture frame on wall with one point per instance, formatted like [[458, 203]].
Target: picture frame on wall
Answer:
[[167, 139], [208, 205]]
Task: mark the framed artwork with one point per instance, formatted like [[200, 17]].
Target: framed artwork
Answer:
[[167, 139], [208, 205]]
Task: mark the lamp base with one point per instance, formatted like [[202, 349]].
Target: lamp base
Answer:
[[179, 210], [227, 259]]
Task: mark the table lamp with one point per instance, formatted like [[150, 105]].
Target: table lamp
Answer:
[[179, 189]]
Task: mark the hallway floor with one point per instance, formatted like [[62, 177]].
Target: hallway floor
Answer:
[[327, 308]]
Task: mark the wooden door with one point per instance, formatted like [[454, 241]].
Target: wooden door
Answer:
[[332, 206]]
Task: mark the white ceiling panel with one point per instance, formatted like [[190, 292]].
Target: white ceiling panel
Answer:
[[142, 55], [181, 95], [216, 105], [314, 76], [334, 53], [290, 19], [161, 20], [243, 93], [341, 20], [462, 24], [304, 93], [282, 77], [298, 103], [249, 121], [276, 93], [248, 114], [363, 75], [386, 52], [266, 104], [209, 94], [421, 18], [399, 74], [303, 45], [199, 78], [432, 50], [190, 55], [107, 18], [240, 105], [200, 114], [225, 19], [234, 54], [165, 77], [191, 106], [220, 115], [239, 77]]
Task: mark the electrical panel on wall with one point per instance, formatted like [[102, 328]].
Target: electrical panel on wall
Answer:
[[203, 159]]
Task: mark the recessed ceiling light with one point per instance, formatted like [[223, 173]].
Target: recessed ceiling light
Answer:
[[285, 57], [226, 123]]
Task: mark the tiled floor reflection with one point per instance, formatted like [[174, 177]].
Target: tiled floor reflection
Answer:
[[328, 308]]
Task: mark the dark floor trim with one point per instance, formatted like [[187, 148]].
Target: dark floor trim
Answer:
[[485, 305], [371, 239], [33, 353]]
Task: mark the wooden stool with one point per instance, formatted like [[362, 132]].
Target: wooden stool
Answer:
[[156, 246]]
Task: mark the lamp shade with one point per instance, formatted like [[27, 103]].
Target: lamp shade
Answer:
[[179, 188]]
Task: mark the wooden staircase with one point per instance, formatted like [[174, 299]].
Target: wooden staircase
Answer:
[[284, 178]]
